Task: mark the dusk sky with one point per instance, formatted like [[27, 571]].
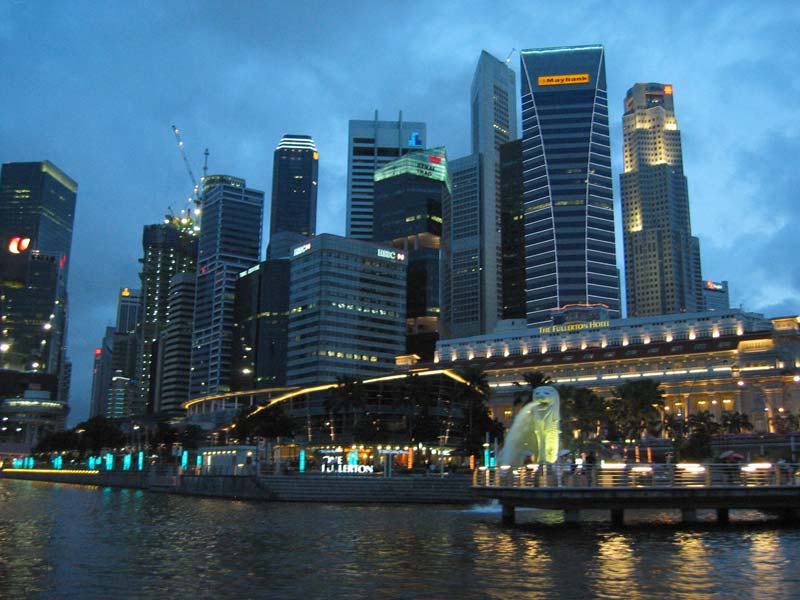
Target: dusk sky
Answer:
[[94, 87]]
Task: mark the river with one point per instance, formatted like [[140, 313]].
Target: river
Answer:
[[63, 541]]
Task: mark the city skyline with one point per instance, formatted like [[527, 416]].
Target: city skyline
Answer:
[[112, 133]]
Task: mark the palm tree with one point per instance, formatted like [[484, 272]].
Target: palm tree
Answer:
[[533, 379], [635, 409], [581, 410], [477, 422], [736, 422]]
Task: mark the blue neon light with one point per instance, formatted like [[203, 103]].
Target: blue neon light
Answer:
[[126, 462], [302, 461], [109, 461], [184, 459], [141, 460]]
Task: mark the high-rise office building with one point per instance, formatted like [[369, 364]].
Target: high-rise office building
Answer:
[[662, 258], [409, 194], [716, 295], [261, 330], [472, 255], [294, 192], [462, 277], [101, 374], [493, 109], [168, 248], [175, 347], [346, 310], [512, 214], [129, 310], [569, 209], [372, 144], [37, 208], [230, 242]]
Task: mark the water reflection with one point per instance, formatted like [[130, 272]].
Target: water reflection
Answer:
[[91, 543]]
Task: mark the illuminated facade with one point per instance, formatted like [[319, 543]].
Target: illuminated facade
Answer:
[[372, 144], [168, 248], [714, 361], [230, 242], [662, 258], [294, 192], [347, 305], [570, 255], [37, 207], [409, 195]]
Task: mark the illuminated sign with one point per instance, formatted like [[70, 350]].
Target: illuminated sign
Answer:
[[336, 464], [98, 351], [574, 327], [437, 160], [18, 244], [414, 140], [300, 249], [564, 79], [125, 292], [712, 285], [391, 254], [668, 89]]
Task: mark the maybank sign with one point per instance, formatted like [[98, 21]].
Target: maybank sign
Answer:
[[571, 79], [574, 327]]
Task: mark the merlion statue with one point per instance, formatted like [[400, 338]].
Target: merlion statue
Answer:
[[535, 430]]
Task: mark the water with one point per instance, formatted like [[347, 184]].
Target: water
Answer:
[[60, 541]]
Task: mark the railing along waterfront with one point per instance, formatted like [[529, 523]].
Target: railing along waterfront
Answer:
[[636, 475]]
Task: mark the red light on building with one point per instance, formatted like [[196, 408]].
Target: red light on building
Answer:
[[98, 351], [668, 89], [62, 262], [437, 160], [18, 244]]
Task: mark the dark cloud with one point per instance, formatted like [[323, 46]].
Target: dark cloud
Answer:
[[95, 87]]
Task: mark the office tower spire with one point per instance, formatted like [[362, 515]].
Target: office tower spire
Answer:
[[662, 259], [294, 194], [569, 211]]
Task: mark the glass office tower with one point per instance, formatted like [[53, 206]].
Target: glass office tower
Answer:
[[570, 255]]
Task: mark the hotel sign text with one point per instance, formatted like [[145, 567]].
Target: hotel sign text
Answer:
[[574, 327]]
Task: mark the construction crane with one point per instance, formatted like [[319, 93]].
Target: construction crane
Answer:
[[510, 54], [189, 219], [196, 194]]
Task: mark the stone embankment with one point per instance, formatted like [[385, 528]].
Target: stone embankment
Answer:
[[307, 487]]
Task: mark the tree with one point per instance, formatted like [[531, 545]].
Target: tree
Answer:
[[736, 422], [347, 400], [267, 422], [635, 409], [477, 421], [533, 379], [582, 411]]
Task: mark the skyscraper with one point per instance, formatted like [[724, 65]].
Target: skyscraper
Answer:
[[512, 214], [473, 254], [662, 258], [168, 248], [493, 108], [175, 347], [569, 212], [409, 194], [346, 310], [230, 242], [372, 144], [37, 208], [294, 191]]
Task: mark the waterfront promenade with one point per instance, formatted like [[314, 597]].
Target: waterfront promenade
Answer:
[[616, 487]]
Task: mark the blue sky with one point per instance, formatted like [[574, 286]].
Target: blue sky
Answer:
[[95, 87]]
